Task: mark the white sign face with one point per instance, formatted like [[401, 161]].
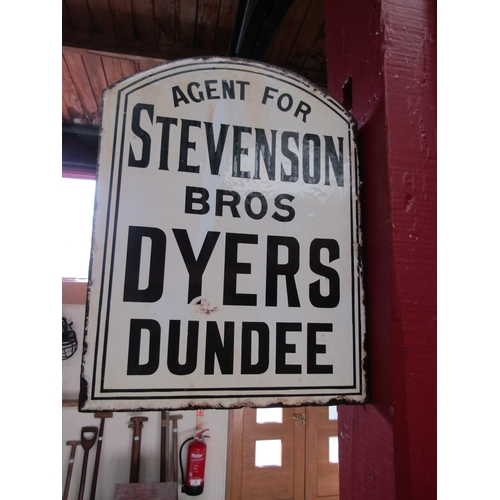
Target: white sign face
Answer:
[[225, 268]]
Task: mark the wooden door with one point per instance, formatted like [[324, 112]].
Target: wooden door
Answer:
[[286, 459]]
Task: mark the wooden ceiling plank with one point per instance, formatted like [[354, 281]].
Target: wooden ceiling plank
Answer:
[[79, 14], [83, 87], [73, 105], [128, 67], [66, 19], [144, 19], [227, 13], [287, 33], [95, 71], [66, 118], [307, 34], [164, 21], [101, 53], [101, 16], [122, 15], [143, 65], [208, 14], [185, 16], [112, 70]]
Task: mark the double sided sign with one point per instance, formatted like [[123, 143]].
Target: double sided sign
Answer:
[[225, 260]]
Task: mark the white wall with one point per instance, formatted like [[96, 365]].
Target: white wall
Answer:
[[117, 445]]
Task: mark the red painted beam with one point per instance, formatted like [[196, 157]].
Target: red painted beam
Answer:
[[381, 57]]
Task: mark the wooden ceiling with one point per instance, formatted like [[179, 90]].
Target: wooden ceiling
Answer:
[[107, 40]]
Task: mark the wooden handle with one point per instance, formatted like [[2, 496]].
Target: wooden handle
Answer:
[[88, 443], [136, 424], [103, 415], [73, 445]]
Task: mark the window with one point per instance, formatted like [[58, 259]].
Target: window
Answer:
[[77, 210], [268, 453]]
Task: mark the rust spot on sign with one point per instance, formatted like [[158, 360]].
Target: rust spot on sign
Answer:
[[202, 306]]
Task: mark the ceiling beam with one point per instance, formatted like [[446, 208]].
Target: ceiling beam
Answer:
[[116, 45], [79, 151], [255, 24]]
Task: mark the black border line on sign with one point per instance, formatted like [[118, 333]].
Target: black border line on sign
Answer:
[[271, 73]]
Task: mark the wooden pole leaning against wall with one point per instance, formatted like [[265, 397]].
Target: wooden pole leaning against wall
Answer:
[[136, 423], [73, 445], [87, 444], [102, 416], [175, 446], [164, 446]]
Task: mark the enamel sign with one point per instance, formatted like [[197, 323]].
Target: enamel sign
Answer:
[[225, 261]]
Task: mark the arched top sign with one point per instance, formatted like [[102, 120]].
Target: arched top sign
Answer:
[[225, 261]]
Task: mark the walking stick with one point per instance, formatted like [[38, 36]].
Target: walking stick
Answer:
[[164, 445], [73, 445], [102, 416], [86, 445], [174, 418], [136, 424]]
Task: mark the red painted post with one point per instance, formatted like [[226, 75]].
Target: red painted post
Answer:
[[381, 57]]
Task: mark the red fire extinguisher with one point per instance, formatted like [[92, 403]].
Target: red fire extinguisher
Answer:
[[195, 468]]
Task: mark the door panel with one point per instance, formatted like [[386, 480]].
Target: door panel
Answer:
[[274, 482], [322, 469]]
